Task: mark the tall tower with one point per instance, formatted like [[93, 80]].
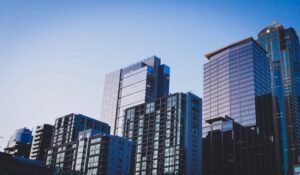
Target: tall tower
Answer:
[[237, 84], [167, 135], [142, 82], [282, 46], [236, 78]]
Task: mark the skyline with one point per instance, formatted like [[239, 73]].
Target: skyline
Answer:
[[49, 46]]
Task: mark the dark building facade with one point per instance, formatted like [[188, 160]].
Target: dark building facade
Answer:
[[232, 149], [62, 158], [237, 83], [61, 155], [105, 155], [41, 141], [19, 143], [66, 128], [167, 134], [141, 82], [12, 165], [93, 153], [283, 48]]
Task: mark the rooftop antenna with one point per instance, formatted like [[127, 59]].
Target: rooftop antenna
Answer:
[[275, 23]]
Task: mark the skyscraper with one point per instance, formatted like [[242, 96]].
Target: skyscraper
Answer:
[[62, 153], [41, 141], [167, 134], [136, 84], [282, 46], [237, 84]]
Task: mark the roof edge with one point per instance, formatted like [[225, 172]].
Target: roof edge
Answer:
[[209, 55]]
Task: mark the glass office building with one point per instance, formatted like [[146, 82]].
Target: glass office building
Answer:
[[19, 143], [22, 135], [136, 84], [167, 134], [282, 46], [237, 84]]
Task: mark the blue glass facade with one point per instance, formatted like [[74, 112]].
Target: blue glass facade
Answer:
[[136, 84], [282, 46], [19, 143], [237, 84], [22, 135], [234, 79]]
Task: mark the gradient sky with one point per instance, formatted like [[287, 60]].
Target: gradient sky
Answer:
[[54, 54]]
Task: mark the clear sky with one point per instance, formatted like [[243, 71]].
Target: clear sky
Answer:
[[54, 54]]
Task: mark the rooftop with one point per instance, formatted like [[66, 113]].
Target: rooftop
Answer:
[[217, 119], [209, 55]]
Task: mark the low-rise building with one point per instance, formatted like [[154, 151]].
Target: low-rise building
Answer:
[[19, 143]]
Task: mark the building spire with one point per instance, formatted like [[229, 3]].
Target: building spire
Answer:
[[275, 23]]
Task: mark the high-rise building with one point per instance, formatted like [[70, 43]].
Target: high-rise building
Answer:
[[236, 80], [19, 143], [82, 145], [142, 82], [237, 84], [283, 48], [167, 133], [232, 149], [66, 128], [93, 153], [41, 141]]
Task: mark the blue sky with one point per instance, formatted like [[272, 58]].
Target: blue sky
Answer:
[[54, 54]]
